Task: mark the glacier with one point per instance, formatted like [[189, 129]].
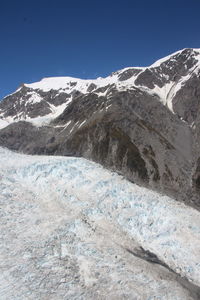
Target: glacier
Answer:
[[71, 229]]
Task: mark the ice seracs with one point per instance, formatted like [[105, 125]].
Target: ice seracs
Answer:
[[67, 224]]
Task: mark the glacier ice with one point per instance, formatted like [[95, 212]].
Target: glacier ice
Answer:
[[66, 225]]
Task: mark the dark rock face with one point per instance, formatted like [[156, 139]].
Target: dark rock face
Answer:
[[128, 131], [149, 78], [91, 87], [196, 176], [127, 137], [21, 105], [128, 74], [172, 69], [186, 103], [25, 137]]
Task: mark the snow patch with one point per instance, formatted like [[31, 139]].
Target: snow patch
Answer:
[[34, 98]]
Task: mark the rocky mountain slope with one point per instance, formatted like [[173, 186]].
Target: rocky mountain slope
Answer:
[[140, 122]]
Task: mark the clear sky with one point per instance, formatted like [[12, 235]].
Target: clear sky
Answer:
[[89, 38]]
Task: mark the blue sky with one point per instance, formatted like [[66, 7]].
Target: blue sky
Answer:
[[88, 39]]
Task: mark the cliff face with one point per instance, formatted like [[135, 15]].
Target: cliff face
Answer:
[[140, 122]]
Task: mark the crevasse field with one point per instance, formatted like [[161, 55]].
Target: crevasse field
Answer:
[[70, 229]]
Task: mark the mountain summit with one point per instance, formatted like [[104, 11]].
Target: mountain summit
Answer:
[[141, 122]]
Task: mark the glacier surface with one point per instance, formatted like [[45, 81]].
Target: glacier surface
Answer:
[[72, 230]]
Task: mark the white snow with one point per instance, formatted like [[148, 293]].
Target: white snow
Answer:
[[34, 98], [82, 123], [4, 123], [107, 107], [70, 83]]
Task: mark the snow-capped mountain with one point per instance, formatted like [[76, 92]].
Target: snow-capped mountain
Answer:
[[141, 122], [165, 78], [72, 230]]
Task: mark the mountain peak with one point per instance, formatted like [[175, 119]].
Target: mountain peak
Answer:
[[164, 78], [186, 53]]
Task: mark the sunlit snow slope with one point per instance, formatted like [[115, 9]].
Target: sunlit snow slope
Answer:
[[41, 102], [72, 230]]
